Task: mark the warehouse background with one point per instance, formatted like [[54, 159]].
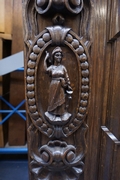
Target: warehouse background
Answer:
[[12, 132]]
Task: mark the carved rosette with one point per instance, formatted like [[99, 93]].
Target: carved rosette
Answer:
[[68, 38]]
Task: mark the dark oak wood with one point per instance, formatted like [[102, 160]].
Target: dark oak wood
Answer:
[[91, 57]]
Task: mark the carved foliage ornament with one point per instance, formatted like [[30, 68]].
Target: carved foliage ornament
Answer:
[[57, 156], [68, 38], [74, 6]]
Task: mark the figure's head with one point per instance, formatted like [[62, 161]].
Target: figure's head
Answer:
[[57, 55]]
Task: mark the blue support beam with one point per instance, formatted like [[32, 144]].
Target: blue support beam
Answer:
[[14, 150]]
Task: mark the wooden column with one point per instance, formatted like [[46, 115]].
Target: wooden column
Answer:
[[57, 89], [72, 88]]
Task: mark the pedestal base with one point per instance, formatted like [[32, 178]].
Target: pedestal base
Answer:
[[59, 120]]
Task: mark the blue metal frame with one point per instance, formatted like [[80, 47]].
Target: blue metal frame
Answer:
[[13, 150], [14, 110]]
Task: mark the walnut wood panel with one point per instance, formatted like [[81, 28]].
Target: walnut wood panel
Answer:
[[110, 152], [96, 109], [112, 118], [114, 31], [110, 156], [113, 103]]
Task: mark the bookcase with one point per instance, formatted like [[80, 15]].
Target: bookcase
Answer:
[[12, 103]]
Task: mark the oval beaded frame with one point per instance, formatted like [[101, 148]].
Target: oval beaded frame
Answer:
[[41, 42]]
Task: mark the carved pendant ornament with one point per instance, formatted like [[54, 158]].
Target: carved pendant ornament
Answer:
[[57, 93]]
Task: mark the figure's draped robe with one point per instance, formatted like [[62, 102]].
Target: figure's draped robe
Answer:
[[56, 90]]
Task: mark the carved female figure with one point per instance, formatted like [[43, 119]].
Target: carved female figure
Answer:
[[59, 89]]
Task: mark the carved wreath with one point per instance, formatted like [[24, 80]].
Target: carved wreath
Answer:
[[41, 42]]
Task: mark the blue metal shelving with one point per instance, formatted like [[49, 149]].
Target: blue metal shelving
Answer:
[[13, 150], [21, 113]]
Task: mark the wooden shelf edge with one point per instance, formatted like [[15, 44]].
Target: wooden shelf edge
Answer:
[[6, 36]]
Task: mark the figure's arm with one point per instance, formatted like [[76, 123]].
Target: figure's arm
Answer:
[[67, 80], [45, 61]]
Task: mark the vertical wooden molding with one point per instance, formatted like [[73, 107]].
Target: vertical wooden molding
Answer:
[[110, 155]]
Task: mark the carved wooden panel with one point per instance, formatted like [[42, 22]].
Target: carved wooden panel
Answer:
[[110, 156], [57, 78], [110, 133], [110, 144], [113, 17], [85, 36]]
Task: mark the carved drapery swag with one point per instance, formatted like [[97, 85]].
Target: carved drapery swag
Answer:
[[57, 76]]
